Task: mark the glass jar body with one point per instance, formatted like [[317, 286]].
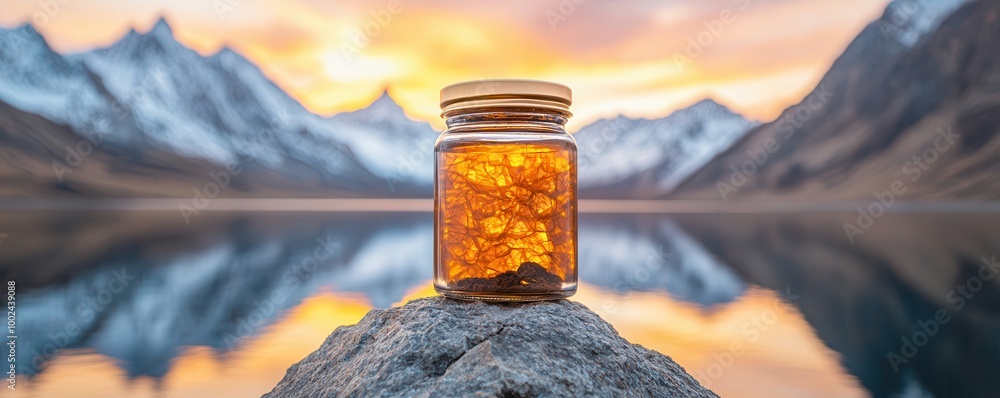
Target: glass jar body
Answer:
[[505, 208]]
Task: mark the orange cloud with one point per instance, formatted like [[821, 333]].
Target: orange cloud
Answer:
[[618, 59]]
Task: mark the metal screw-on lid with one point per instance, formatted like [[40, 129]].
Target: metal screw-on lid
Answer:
[[505, 93]]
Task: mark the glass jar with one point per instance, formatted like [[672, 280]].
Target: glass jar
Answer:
[[505, 193]]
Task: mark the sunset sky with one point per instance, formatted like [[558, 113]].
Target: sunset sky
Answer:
[[620, 57]]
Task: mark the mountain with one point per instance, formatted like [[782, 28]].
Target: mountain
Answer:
[[147, 98], [41, 158], [147, 92], [395, 147], [912, 103], [37, 79], [644, 158], [231, 111]]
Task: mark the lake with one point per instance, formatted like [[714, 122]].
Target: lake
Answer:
[[137, 300]]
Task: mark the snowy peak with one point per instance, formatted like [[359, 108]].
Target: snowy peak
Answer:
[[385, 103], [708, 106], [246, 75], [161, 29], [36, 79], [907, 21], [229, 56], [648, 157], [25, 31], [706, 109], [23, 40], [237, 64], [23, 51], [383, 109], [223, 108], [158, 39], [388, 142], [696, 119]]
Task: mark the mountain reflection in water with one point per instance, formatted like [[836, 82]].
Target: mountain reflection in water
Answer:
[[139, 303]]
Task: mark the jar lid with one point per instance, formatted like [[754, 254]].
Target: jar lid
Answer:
[[505, 93]]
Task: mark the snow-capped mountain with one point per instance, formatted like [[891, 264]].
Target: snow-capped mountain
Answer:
[[648, 157], [148, 92], [37, 79], [908, 20], [398, 148], [220, 108], [923, 72]]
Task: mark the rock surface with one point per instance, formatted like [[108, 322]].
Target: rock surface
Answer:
[[438, 347]]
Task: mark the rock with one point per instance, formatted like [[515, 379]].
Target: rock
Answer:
[[438, 347]]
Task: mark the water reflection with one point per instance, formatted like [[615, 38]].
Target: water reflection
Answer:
[[147, 305], [877, 301], [642, 253]]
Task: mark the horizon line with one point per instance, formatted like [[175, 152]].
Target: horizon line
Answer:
[[422, 205]]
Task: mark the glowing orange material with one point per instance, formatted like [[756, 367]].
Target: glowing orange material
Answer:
[[503, 205]]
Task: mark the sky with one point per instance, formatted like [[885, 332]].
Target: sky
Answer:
[[638, 58]]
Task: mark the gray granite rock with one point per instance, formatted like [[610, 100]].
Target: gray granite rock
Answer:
[[437, 347]]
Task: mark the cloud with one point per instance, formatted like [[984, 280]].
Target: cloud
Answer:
[[619, 57]]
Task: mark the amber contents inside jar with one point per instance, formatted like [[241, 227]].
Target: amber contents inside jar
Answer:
[[505, 194], [505, 217]]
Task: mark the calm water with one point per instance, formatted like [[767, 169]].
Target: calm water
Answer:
[[139, 303]]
